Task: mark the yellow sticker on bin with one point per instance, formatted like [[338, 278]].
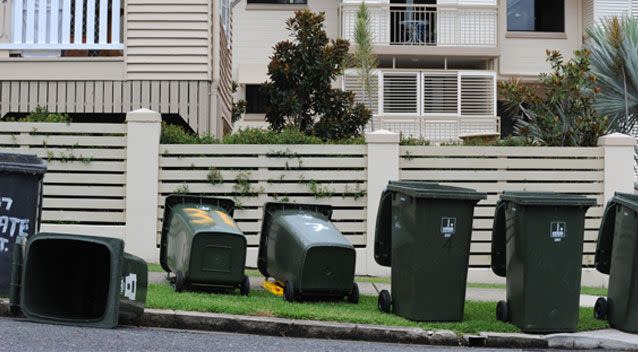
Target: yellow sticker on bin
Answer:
[[273, 287]]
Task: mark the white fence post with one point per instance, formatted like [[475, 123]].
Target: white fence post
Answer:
[[619, 163], [142, 176], [383, 166]]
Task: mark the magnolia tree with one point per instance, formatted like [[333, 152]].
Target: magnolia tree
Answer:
[[561, 111], [300, 93]]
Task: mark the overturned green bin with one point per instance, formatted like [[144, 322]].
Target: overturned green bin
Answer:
[[537, 244], [617, 256], [77, 280], [202, 245], [424, 232], [303, 251]]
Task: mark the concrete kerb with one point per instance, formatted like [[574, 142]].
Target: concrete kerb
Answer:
[[270, 326]]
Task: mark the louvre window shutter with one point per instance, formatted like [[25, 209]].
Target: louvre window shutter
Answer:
[[352, 83], [440, 93], [400, 93], [477, 94]]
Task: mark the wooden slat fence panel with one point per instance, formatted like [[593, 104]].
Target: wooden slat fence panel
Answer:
[[497, 169], [84, 187], [255, 174]]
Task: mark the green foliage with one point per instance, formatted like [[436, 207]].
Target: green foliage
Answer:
[[214, 176], [510, 141], [182, 189], [175, 134], [41, 114], [244, 187], [319, 190], [414, 141], [614, 60], [239, 106], [300, 94], [364, 58], [562, 114]]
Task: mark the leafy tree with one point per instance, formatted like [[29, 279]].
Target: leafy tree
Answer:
[[614, 60], [561, 112], [364, 58], [239, 106], [300, 94]]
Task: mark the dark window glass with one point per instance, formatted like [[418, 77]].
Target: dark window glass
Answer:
[[536, 15], [285, 2], [255, 102]]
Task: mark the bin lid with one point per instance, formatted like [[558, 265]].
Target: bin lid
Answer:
[[228, 205], [22, 163], [548, 198], [431, 190], [270, 209], [626, 199], [604, 244]]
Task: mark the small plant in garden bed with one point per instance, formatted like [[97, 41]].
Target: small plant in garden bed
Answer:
[[479, 316], [414, 141]]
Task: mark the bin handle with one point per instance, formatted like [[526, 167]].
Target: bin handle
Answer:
[[499, 261], [605, 242]]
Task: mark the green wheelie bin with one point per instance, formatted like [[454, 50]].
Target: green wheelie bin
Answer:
[[303, 251], [424, 232], [617, 256], [537, 244], [202, 245], [77, 280]]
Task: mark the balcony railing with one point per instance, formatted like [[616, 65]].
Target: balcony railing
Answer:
[[426, 25], [65, 25]]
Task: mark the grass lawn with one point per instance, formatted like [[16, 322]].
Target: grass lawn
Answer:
[[479, 316]]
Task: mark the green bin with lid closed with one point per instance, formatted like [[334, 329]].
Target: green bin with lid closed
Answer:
[[202, 245], [424, 232], [537, 244], [617, 256], [302, 250]]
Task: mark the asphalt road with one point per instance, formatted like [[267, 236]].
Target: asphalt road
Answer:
[[21, 335]]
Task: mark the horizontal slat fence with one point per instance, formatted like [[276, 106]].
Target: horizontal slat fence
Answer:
[[255, 174], [84, 186], [497, 169]]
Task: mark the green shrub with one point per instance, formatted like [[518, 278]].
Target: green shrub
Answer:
[[510, 141], [175, 134], [413, 141], [41, 114]]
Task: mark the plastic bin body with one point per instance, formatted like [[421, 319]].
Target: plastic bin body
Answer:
[[424, 233], [201, 241], [80, 280], [617, 255], [20, 205], [538, 245], [300, 245]]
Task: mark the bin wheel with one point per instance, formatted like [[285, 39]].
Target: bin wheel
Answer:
[[600, 309], [289, 292], [180, 282], [385, 301], [244, 289], [353, 296], [502, 311]]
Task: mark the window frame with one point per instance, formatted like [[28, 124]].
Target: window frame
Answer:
[[536, 34]]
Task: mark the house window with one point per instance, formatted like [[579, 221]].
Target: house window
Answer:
[[536, 15], [281, 2], [255, 101]]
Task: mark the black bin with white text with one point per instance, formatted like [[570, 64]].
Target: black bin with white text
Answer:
[[20, 205]]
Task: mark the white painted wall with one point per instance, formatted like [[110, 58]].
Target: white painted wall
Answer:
[[526, 56], [256, 31]]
